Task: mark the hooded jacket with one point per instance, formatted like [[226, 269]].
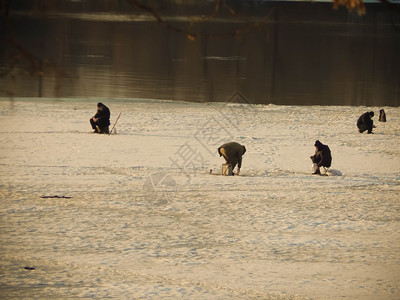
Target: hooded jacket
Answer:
[[322, 155], [103, 116], [365, 122], [232, 152]]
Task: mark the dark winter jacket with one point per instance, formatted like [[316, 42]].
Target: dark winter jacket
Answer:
[[322, 155], [103, 116], [232, 152], [365, 122]]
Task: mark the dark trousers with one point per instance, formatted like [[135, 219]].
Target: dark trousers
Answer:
[[102, 128], [363, 127]]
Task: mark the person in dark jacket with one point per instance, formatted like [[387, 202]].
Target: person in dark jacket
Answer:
[[232, 152], [365, 122], [101, 119], [322, 157], [382, 116]]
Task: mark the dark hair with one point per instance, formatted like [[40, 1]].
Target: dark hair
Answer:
[[371, 113], [100, 104]]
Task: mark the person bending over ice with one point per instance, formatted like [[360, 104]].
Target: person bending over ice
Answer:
[[101, 119], [232, 152], [365, 122], [322, 157]]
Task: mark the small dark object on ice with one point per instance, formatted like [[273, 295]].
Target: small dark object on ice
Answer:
[[29, 268], [65, 197], [382, 116]]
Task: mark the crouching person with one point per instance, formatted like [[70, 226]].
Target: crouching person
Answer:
[[101, 119], [232, 152], [365, 122], [321, 158]]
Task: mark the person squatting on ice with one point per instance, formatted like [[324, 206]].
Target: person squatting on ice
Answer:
[[322, 157], [232, 152], [365, 122], [101, 119]]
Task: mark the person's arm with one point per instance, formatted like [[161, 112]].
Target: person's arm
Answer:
[[100, 116], [97, 116]]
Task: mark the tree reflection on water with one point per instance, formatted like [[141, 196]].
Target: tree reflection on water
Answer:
[[273, 52]]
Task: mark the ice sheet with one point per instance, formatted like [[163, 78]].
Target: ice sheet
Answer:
[[145, 219]]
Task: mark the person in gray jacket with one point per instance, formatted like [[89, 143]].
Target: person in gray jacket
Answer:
[[232, 152]]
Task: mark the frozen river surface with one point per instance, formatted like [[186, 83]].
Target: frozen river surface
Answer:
[[137, 215]]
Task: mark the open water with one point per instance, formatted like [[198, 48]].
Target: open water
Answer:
[[298, 53]]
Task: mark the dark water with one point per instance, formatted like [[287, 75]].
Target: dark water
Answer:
[[272, 52]]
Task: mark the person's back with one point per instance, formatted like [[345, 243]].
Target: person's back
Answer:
[[326, 158]]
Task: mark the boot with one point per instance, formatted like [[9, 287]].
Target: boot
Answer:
[[315, 169], [317, 172]]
